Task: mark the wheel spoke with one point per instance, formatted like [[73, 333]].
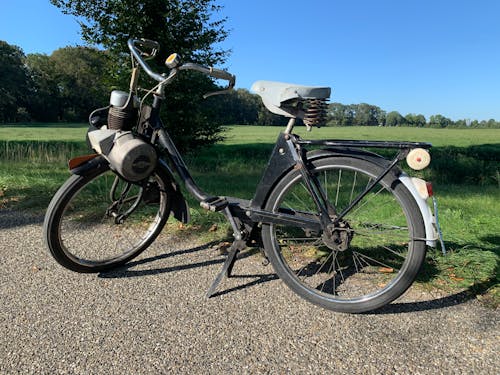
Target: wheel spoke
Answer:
[[365, 201], [365, 258], [353, 186], [338, 188]]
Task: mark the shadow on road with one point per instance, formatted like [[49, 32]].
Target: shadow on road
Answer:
[[410, 307], [394, 308], [11, 219], [126, 271]]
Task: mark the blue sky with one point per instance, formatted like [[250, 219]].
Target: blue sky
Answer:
[[423, 56]]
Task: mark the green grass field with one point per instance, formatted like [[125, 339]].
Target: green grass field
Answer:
[[465, 170], [267, 134], [438, 137], [43, 132]]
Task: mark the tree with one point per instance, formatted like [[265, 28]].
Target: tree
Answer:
[[13, 81], [80, 76], [340, 114], [183, 26], [43, 102], [368, 115], [394, 118], [462, 123], [239, 107], [439, 121], [68, 84], [491, 123], [415, 120]]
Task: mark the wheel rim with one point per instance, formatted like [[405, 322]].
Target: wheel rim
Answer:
[[88, 231], [379, 241]]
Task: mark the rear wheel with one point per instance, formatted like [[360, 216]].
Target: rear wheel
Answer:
[[369, 259], [99, 221]]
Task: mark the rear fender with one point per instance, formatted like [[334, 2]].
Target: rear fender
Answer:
[[427, 216], [431, 234], [354, 153]]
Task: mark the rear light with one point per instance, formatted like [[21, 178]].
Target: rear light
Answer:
[[423, 187], [430, 192]]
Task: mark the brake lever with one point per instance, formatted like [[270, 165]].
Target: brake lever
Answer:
[[227, 90], [150, 44], [148, 56], [221, 92]]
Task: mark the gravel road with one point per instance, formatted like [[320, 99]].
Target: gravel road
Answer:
[[152, 317]]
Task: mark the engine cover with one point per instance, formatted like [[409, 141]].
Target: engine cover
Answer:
[[130, 156]]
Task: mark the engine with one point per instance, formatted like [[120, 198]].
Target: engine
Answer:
[[127, 153], [132, 157], [122, 114]]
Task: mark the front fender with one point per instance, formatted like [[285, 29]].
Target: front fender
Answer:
[[180, 207], [82, 165], [86, 165]]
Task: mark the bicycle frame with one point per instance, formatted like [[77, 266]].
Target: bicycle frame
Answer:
[[287, 154], [246, 216]]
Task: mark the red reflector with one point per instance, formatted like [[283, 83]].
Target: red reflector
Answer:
[[429, 188], [75, 162]]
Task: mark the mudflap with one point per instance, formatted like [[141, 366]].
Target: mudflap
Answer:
[[180, 207]]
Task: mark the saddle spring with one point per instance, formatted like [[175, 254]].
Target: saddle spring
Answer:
[[315, 112]]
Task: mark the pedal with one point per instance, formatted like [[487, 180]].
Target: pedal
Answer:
[[214, 204]]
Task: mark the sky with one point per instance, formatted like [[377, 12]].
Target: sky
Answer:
[[426, 57]]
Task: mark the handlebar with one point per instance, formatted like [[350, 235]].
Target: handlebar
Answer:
[[137, 53], [212, 72], [155, 46]]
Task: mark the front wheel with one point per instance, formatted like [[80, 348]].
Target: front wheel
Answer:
[[99, 221], [369, 259]]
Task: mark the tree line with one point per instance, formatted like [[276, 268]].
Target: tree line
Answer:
[[63, 86], [370, 115], [68, 84]]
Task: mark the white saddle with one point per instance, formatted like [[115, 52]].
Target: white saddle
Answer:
[[281, 98]]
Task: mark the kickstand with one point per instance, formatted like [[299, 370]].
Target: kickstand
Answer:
[[235, 248]]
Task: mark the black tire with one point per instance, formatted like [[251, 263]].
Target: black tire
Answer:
[[385, 231], [82, 234]]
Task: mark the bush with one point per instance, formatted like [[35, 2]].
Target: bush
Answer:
[[458, 165]]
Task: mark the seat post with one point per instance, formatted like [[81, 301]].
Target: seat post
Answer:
[[290, 125]]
